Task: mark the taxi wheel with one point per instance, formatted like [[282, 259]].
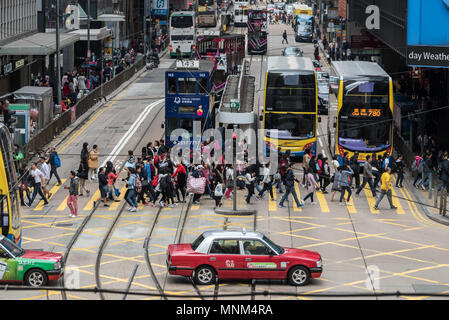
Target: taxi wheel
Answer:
[[299, 276], [204, 275], [36, 278]]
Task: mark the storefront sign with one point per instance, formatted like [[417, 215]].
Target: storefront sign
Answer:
[[7, 68], [160, 7], [20, 63], [427, 37], [428, 56]]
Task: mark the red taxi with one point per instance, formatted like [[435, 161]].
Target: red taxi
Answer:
[[241, 255]]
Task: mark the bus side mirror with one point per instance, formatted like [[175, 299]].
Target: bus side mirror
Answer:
[[261, 118], [335, 124], [319, 119], [162, 125]]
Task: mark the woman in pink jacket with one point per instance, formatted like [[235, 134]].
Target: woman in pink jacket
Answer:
[[311, 185]]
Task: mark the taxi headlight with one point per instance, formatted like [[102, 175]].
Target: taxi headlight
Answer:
[[57, 265], [319, 263]]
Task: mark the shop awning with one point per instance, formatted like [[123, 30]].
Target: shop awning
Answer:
[[38, 44], [111, 18], [95, 34]]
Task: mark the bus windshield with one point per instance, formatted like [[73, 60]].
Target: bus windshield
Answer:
[[181, 21], [290, 126], [365, 118], [290, 91]]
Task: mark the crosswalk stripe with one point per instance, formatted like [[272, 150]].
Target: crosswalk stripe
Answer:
[[63, 205], [396, 203], [53, 190], [90, 202], [272, 204], [322, 201], [351, 209], [298, 192], [371, 201], [114, 205]]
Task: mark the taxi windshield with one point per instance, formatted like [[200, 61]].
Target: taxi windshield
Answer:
[[278, 249], [12, 247]]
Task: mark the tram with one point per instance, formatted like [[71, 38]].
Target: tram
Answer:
[[10, 210], [257, 31], [227, 52], [189, 97]]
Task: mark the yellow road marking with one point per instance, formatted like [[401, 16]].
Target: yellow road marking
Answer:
[[272, 204], [322, 201], [114, 205], [53, 190], [371, 201], [298, 193], [396, 202], [63, 205], [90, 202]]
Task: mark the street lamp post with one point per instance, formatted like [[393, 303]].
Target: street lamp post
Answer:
[[58, 56]]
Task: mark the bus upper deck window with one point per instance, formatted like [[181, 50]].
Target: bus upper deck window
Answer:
[[171, 83], [187, 85]]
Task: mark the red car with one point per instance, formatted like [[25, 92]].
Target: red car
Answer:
[[241, 255]]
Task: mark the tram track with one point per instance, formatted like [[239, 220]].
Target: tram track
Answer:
[[81, 229]]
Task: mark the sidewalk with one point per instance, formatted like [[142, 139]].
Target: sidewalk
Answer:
[[422, 197]]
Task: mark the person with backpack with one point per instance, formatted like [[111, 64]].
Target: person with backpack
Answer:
[[313, 167], [218, 194], [345, 180], [399, 167], [367, 176], [427, 171], [55, 163], [336, 182], [111, 176], [311, 186], [166, 187], [250, 178], [326, 175], [131, 193], [290, 186], [354, 161], [180, 175], [37, 185], [417, 166], [103, 187], [267, 182], [93, 163]]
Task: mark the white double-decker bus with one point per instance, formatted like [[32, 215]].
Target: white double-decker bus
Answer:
[[182, 33]]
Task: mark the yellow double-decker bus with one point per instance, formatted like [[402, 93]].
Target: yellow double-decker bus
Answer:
[[363, 119], [10, 218], [291, 104]]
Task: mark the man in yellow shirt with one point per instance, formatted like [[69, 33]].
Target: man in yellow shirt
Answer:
[[385, 189]]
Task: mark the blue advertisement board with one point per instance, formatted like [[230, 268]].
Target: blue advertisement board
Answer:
[[428, 33]]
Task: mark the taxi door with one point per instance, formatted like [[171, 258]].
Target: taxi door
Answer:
[[260, 263], [226, 258], [8, 267]]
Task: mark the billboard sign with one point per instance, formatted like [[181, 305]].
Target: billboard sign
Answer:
[[427, 33], [160, 7]]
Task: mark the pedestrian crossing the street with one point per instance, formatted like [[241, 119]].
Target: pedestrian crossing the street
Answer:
[[364, 202]]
